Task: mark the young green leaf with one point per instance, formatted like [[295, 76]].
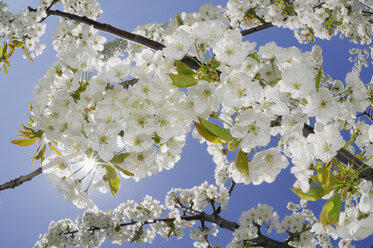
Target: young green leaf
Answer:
[[221, 132], [23, 142], [328, 178], [124, 171], [330, 212], [183, 81], [5, 69], [178, 20], [206, 134], [315, 193], [119, 158], [54, 149], [41, 153], [17, 44], [113, 177], [183, 69], [34, 157], [242, 163]]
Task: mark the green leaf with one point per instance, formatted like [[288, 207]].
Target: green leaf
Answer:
[[54, 149], [5, 48], [6, 62], [113, 178], [330, 212], [41, 153], [221, 132], [178, 20], [17, 44], [315, 193], [242, 163], [125, 172], [23, 142], [37, 151], [183, 69], [119, 158], [5, 69], [328, 178], [317, 80], [206, 134], [10, 53], [316, 179], [183, 81]]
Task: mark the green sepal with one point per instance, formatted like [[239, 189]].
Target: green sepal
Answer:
[[254, 56], [233, 144]]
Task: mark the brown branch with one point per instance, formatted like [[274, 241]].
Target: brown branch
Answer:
[[141, 40], [18, 181], [256, 29], [261, 240], [48, 8], [343, 156]]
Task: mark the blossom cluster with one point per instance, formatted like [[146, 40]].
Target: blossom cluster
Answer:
[[308, 19], [122, 109], [137, 222]]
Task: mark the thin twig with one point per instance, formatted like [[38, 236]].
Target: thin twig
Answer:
[[18, 181], [218, 210], [256, 29], [48, 8], [368, 115]]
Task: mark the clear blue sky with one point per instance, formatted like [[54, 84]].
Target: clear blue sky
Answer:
[[26, 211]]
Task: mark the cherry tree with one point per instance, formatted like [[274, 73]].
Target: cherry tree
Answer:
[[107, 110]]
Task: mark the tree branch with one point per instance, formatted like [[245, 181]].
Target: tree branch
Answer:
[[141, 40], [20, 180], [256, 29], [261, 240], [48, 8], [343, 156]]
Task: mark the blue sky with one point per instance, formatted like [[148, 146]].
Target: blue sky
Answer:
[[26, 211]]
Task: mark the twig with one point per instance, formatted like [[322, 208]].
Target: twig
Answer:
[[256, 29], [48, 8], [218, 210], [18, 181]]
